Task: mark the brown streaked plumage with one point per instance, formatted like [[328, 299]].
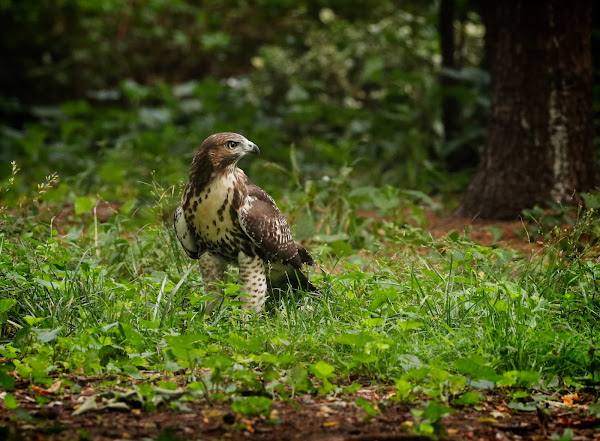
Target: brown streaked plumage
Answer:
[[225, 219]]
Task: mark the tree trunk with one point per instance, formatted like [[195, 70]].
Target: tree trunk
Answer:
[[539, 145], [450, 107]]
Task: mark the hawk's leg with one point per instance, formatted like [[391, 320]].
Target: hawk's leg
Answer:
[[253, 281], [212, 269]]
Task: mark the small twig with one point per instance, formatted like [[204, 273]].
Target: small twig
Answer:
[[96, 232]]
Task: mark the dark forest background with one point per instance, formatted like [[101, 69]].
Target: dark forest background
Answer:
[[110, 93]]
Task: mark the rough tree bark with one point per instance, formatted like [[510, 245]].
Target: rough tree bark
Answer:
[[539, 145]]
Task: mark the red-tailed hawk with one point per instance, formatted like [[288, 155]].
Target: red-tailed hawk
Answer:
[[224, 218]]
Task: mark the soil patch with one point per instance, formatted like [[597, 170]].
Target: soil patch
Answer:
[[303, 418]]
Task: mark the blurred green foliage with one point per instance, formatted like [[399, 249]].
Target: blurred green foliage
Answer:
[[111, 93]]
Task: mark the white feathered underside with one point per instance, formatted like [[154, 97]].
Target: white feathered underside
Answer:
[[185, 234]]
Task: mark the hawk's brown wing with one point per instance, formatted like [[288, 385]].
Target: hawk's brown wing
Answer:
[[262, 221]]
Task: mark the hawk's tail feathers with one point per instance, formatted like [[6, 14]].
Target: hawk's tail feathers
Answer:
[[305, 256], [281, 277]]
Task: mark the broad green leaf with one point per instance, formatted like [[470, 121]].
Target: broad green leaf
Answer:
[[132, 336], [364, 357], [184, 346], [297, 379], [39, 364], [149, 324], [167, 385], [84, 205], [322, 370], [10, 401], [296, 374], [108, 327], [32, 321], [6, 381], [373, 322], [470, 367], [45, 335], [409, 362], [24, 370], [185, 341], [524, 407], [195, 386], [46, 283], [111, 352], [417, 374], [367, 407], [438, 374], [403, 390], [468, 399], [435, 411], [23, 337], [351, 388], [269, 358], [132, 371], [218, 362], [408, 325], [568, 435], [594, 409], [250, 345], [252, 406], [521, 378], [359, 339], [6, 304]]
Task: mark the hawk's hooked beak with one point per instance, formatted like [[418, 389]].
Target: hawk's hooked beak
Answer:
[[254, 150]]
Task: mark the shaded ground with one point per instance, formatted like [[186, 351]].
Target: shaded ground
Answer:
[[504, 234], [304, 418]]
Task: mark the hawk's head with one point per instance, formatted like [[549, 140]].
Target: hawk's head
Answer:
[[224, 149], [217, 153]]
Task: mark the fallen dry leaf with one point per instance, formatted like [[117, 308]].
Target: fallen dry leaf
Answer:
[[498, 414], [325, 410], [55, 387], [568, 399], [40, 390]]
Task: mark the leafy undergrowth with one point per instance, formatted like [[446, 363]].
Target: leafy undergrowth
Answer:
[[103, 329]]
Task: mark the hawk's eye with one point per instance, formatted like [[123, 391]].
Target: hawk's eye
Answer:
[[231, 145]]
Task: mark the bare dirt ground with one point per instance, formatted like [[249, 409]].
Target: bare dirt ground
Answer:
[[303, 418], [512, 233]]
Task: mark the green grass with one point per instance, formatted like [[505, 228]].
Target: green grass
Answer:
[[444, 318], [116, 298]]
